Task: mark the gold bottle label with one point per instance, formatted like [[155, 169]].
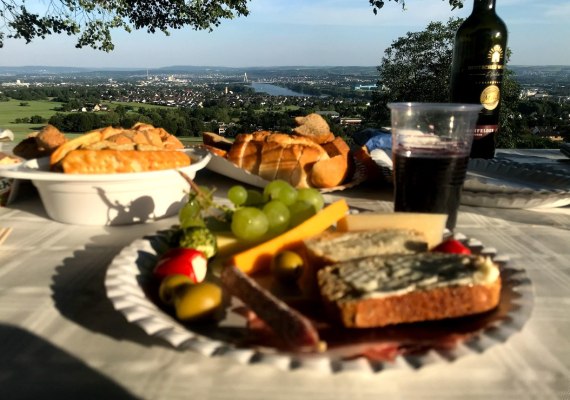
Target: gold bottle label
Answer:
[[490, 97]]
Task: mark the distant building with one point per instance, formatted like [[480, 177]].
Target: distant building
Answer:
[[17, 83], [350, 121], [330, 114], [365, 87]]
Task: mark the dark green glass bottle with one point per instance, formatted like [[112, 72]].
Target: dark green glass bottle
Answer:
[[477, 71]]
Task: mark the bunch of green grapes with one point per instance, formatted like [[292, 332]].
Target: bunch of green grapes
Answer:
[[261, 215]]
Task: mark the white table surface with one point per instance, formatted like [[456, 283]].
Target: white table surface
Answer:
[[61, 338]]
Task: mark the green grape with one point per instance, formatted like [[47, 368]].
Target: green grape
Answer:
[[300, 211], [312, 196], [255, 198], [237, 195], [282, 191], [278, 216], [190, 214], [249, 224]]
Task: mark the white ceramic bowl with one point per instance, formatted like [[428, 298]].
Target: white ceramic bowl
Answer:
[[110, 199]]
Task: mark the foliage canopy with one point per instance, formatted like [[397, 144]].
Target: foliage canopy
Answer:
[[416, 67], [93, 21], [378, 4]]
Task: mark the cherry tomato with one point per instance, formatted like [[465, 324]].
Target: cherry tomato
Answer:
[[452, 246], [182, 261]]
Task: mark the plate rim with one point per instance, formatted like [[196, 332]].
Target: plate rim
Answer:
[[35, 170], [516, 198]]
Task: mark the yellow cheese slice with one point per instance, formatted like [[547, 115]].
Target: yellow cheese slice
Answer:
[[228, 244], [431, 225], [259, 257]]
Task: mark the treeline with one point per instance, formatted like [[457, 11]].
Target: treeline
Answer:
[[179, 122], [525, 123]]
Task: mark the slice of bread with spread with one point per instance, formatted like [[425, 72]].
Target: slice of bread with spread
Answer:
[[402, 288], [335, 247]]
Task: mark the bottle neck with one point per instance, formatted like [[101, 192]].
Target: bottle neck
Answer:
[[484, 6]]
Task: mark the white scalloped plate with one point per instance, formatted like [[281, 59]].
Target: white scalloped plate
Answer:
[[132, 292], [509, 184]]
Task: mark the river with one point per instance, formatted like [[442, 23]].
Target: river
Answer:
[[274, 90]]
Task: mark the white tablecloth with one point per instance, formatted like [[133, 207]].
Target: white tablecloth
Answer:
[[61, 338]]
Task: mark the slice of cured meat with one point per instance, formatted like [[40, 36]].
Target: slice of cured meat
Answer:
[[292, 327]]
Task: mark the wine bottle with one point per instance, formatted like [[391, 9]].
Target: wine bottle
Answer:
[[477, 71]]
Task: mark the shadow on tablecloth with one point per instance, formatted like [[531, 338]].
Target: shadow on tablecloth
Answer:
[[79, 292], [33, 368]]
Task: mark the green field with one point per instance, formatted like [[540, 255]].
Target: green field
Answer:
[[11, 110]]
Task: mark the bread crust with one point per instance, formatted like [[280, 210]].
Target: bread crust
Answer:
[[438, 303], [216, 151], [120, 161], [40, 144], [139, 134], [216, 141], [330, 172], [270, 160], [301, 176], [315, 127], [337, 147]]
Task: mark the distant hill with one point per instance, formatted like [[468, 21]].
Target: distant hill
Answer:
[[179, 69]]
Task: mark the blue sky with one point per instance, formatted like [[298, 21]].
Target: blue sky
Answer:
[[310, 33]]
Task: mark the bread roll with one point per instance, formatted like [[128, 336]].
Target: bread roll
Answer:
[[314, 127], [330, 172], [40, 144]]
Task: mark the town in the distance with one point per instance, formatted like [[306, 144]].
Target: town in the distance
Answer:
[[189, 100]]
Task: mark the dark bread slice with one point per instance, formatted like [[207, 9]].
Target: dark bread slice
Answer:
[[217, 141], [385, 290]]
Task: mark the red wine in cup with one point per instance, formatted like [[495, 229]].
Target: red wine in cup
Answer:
[[429, 182]]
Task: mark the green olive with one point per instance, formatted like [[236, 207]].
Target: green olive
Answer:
[[287, 266], [196, 301], [170, 285]]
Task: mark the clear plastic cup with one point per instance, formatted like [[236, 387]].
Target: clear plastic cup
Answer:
[[431, 143]]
